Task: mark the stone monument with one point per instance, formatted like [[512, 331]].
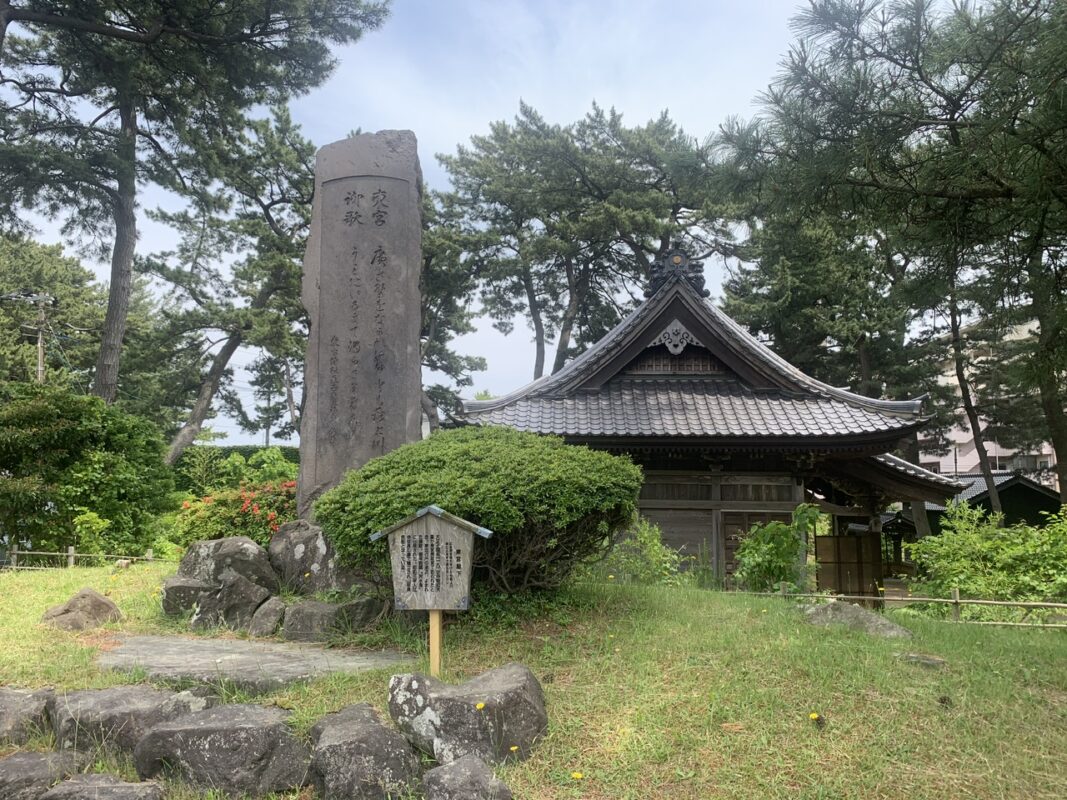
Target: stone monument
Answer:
[[362, 376]]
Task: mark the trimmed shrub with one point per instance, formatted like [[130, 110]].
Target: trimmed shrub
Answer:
[[76, 471], [550, 505], [253, 511], [640, 556], [776, 553]]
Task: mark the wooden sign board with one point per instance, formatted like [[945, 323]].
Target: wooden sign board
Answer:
[[431, 553]]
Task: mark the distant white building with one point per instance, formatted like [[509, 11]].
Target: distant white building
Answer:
[[962, 457]]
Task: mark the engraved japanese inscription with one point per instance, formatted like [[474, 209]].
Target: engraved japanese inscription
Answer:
[[361, 289]]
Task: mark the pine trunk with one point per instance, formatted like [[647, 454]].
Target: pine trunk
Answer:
[[202, 407], [538, 324], [106, 376], [576, 297], [968, 404], [1051, 393]]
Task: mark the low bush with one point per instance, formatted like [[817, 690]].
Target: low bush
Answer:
[[253, 511], [776, 553], [983, 560], [206, 468], [75, 471], [550, 505], [640, 556]]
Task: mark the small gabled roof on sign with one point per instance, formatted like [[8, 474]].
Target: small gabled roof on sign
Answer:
[[440, 513]]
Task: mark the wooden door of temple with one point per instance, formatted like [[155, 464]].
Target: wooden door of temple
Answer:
[[693, 532], [737, 524]]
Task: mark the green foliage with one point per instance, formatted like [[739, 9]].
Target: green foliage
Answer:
[[985, 561], [776, 553], [550, 505], [255, 511], [203, 468], [639, 556], [77, 472], [264, 466], [71, 323], [562, 220]]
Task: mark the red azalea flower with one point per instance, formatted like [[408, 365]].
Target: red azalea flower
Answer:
[[255, 509]]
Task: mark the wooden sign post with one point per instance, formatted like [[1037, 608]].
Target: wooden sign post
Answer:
[[431, 553]]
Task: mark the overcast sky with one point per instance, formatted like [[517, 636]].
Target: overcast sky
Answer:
[[447, 69]]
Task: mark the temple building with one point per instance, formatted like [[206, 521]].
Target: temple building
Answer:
[[728, 433]]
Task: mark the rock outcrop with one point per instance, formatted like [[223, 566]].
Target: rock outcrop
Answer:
[[487, 716], [87, 609], [356, 757], [233, 748]]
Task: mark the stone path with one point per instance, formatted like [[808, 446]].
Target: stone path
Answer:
[[253, 666]]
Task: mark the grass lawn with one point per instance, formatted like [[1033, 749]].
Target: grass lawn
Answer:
[[679, 693]]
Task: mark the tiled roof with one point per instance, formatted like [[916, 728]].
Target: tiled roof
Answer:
[[580, 400], [915, 471], [696, 407], [975, 486]]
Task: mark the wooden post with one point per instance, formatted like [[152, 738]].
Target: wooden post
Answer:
[[436, 629], [148, 554], [14, 556], [783, 588], [70, 556], [955, 604]]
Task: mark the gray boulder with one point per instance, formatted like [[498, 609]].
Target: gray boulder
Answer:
[[23, 714], [467, 778], [233, 748], [306, 561], [87, 609], [103, 787], [267, 618], [181, 594], [206, 562], [356, 757], [855, 618], [116, 717], [446, 721], [232, 604], [314, 621], [27, 776]]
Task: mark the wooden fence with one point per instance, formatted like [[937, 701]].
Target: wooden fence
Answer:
[[24, 559], [955, 601]]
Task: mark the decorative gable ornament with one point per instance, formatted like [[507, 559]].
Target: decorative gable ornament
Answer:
[[676, 262], [676, 336]]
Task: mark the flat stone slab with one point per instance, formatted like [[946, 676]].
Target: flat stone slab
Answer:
[[253, 666]]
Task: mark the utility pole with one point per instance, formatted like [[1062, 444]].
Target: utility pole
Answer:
[[41, 321], [270, 397], [43, 301]]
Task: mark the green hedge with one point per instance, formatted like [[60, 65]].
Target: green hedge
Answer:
[[75, 471], [550, 505]]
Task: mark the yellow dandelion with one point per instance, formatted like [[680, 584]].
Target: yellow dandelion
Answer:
[[611, 577], [479, 706], [514, 748], [307, 574], [813, 716], [577, 775]]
